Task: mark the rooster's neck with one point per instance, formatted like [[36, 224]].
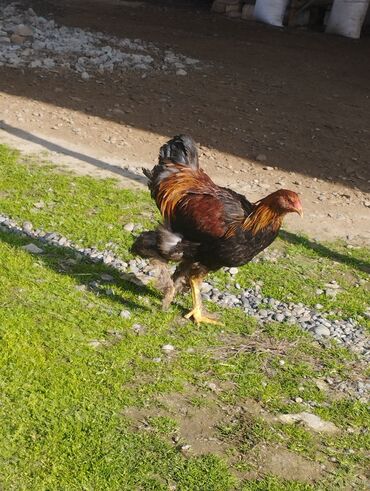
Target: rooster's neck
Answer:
[[263, 216]]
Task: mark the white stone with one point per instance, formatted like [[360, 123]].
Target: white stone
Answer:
[[23, 30], [322, 331], [129, 227], [181, 72], [168, 348], [106, 277], [314, 422], [33, 249], [125, 314]]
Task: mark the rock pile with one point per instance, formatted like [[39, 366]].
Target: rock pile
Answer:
[[28, 40]]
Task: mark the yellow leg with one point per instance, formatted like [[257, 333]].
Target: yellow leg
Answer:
[[196, 313]]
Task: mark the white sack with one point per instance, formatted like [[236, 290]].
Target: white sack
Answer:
[[270, 11], [346, 17]]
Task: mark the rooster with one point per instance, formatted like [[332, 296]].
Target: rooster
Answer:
[[205, 226]]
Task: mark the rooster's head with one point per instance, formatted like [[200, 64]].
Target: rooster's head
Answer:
[[284, 201]]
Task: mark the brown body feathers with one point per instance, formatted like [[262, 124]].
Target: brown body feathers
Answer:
[[206, 224]]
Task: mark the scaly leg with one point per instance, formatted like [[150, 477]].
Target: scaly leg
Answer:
[[177, 283], [169, 295], [196, 313]]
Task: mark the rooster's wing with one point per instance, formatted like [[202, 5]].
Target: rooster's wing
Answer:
[[199, 209]]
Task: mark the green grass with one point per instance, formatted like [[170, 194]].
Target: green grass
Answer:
[[70, 366]]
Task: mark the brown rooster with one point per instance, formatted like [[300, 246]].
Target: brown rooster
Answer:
[[205, 226]]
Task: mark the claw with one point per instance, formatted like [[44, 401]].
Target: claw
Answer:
[[199, 318], [196, 314]]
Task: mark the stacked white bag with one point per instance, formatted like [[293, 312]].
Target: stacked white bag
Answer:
[[270, 11], [346, 17]]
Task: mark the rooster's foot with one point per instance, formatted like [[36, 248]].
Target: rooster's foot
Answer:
[[198, 317]]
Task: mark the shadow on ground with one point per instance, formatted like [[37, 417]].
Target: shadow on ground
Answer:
[[325, 251], [299, 97], [52, 147], [84, 272]]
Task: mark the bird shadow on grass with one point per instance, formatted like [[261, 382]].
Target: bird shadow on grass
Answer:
[[325, 251], [85, 273]]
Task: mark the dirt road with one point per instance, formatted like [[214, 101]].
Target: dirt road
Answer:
[[269, 108]]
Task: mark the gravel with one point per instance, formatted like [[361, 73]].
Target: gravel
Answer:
[[265, 309], [28, 40]]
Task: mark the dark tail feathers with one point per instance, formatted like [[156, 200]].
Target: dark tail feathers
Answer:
[[181, 149]]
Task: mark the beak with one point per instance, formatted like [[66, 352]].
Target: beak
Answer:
[[299, 210]]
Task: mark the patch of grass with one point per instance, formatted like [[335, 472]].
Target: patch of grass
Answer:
[[163, 424], [284, 331], [88, 211], [70, 365], [347, 413], [61, 396]]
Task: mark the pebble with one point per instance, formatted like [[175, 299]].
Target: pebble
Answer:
[[212, 386], [39, 205], [95, 343], [27, 227], [314, 422], [138, 329], [185, 449], [80, 288], [106, 277], [322, 331], [23, 30], [329, 292], [233, 271], [168, 348], [33, 249], [181, 72], [129, 227], [125, 314], [16, 39]]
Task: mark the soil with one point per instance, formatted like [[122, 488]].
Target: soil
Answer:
[[286, 465], [270, 108], [198, 434]]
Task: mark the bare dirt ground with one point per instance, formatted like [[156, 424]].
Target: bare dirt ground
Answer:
[[270, 108]]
